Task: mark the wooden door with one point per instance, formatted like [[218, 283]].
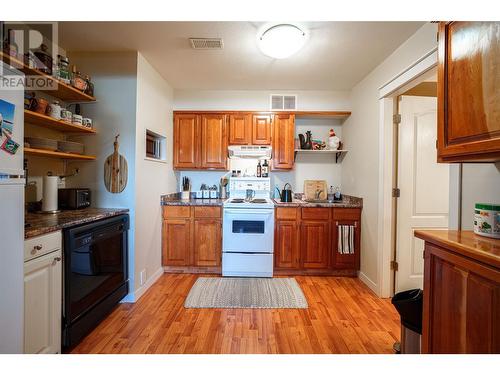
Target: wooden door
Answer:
[[468, 94], [461, 305], [340, 259], [314, 243], [186, 141], [207, 242], [261, 129], [286, 250], [283, 141], [43, 304], [176, 242], [240, 129], [418, 206], [213, 141]]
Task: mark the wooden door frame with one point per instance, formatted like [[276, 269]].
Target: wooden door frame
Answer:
[[388, 94]]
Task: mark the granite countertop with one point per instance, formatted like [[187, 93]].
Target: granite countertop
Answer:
[[38, 223], [348, 201], [175, 200]]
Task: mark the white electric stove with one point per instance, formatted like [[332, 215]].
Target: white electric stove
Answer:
[[248, 228]]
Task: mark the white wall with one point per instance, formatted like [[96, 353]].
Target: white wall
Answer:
[[480, 184], [115, 81], [306, 166], [152, 178], [361, 169]]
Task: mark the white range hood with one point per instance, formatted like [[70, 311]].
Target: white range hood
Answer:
[[250, 152]]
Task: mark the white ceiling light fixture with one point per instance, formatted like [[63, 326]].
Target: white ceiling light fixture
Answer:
[[282, 40]]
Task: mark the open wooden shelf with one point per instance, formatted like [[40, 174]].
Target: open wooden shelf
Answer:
[[323, 114], [59, 89], [339, 154], [56, 154], [51, 123]]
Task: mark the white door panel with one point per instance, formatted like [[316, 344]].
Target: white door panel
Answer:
[[424, 186]]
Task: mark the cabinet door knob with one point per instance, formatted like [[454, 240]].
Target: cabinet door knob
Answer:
[[56, 259]]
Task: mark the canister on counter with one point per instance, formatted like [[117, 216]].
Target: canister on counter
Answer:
[[487, 220]]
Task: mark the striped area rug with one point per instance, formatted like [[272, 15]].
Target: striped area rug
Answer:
[[249, 293]]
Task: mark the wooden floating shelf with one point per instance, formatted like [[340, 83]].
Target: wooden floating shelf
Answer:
[[59, 90], [339, 154], [51, 123], [56, 154], [300, 114]]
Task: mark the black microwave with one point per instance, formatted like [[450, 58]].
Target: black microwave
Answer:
[[73, 198]]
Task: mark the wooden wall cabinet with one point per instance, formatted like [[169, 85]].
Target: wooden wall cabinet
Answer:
[[200, 141], [306, 240], [461, 303], [261, 129], [283, 141], [468, 92], [240, 129], [192, 236]]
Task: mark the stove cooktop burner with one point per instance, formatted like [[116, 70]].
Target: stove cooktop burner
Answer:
[[258, 200], [237, 200]]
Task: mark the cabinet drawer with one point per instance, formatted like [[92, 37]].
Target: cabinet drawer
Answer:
[[346, 214], [207, 211], [176, 212], [312, 213], [40, 245], [288, 213]]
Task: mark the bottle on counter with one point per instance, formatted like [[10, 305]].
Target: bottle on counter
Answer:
[[337, 196], [259, 170], [265, 169], [331, 195]]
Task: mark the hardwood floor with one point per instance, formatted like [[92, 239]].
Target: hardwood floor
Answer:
[[344, 316]]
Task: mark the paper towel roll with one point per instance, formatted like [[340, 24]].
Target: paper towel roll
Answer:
[[49, 202]]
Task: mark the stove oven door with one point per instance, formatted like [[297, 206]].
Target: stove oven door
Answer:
[[248, 230]]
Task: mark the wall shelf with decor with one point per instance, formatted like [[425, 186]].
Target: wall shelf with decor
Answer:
[[339, 154], [341, 115], [59, 89], [48, 122]]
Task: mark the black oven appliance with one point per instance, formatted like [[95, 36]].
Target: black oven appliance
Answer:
[[73, 198], [95, 274]]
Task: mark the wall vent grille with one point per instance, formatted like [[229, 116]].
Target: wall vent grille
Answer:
[[283, 102], [206, 43]]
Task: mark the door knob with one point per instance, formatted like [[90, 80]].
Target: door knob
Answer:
[[56, 259]]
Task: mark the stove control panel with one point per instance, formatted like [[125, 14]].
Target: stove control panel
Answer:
[[253, 183]]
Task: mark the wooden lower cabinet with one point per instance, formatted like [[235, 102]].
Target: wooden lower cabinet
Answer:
[[286, 245], [43, 304], [461, 304], [314, 244], [306, 240], [177, 242], [207, 242], [192, 236]]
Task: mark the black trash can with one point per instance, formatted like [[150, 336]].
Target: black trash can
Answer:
[[409, 306]]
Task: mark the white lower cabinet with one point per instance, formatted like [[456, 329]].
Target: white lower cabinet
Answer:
[[43, 303]]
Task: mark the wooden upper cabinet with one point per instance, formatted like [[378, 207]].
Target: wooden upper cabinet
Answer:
[[240, 129], [283, 141], [186, 141], [468, 91], [261, 129], [213, 141]]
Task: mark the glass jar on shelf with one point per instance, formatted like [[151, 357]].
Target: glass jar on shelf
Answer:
[[90, 86], [77, 81], [63, 74]]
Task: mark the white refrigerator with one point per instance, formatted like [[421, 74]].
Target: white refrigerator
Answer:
[[11, 212]]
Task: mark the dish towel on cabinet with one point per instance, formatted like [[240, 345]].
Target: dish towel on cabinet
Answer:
[[346, 239]]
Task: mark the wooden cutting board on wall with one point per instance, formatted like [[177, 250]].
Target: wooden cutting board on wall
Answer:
[[115, 170], [312, 186]]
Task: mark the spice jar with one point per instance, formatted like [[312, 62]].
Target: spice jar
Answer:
[[77, 81], [63, 73], [54, 110]]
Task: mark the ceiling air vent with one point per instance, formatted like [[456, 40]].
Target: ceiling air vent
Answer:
[[206, 43], [283, 102]]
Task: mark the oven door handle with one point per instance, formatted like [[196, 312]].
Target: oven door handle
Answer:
[[248, 211]]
